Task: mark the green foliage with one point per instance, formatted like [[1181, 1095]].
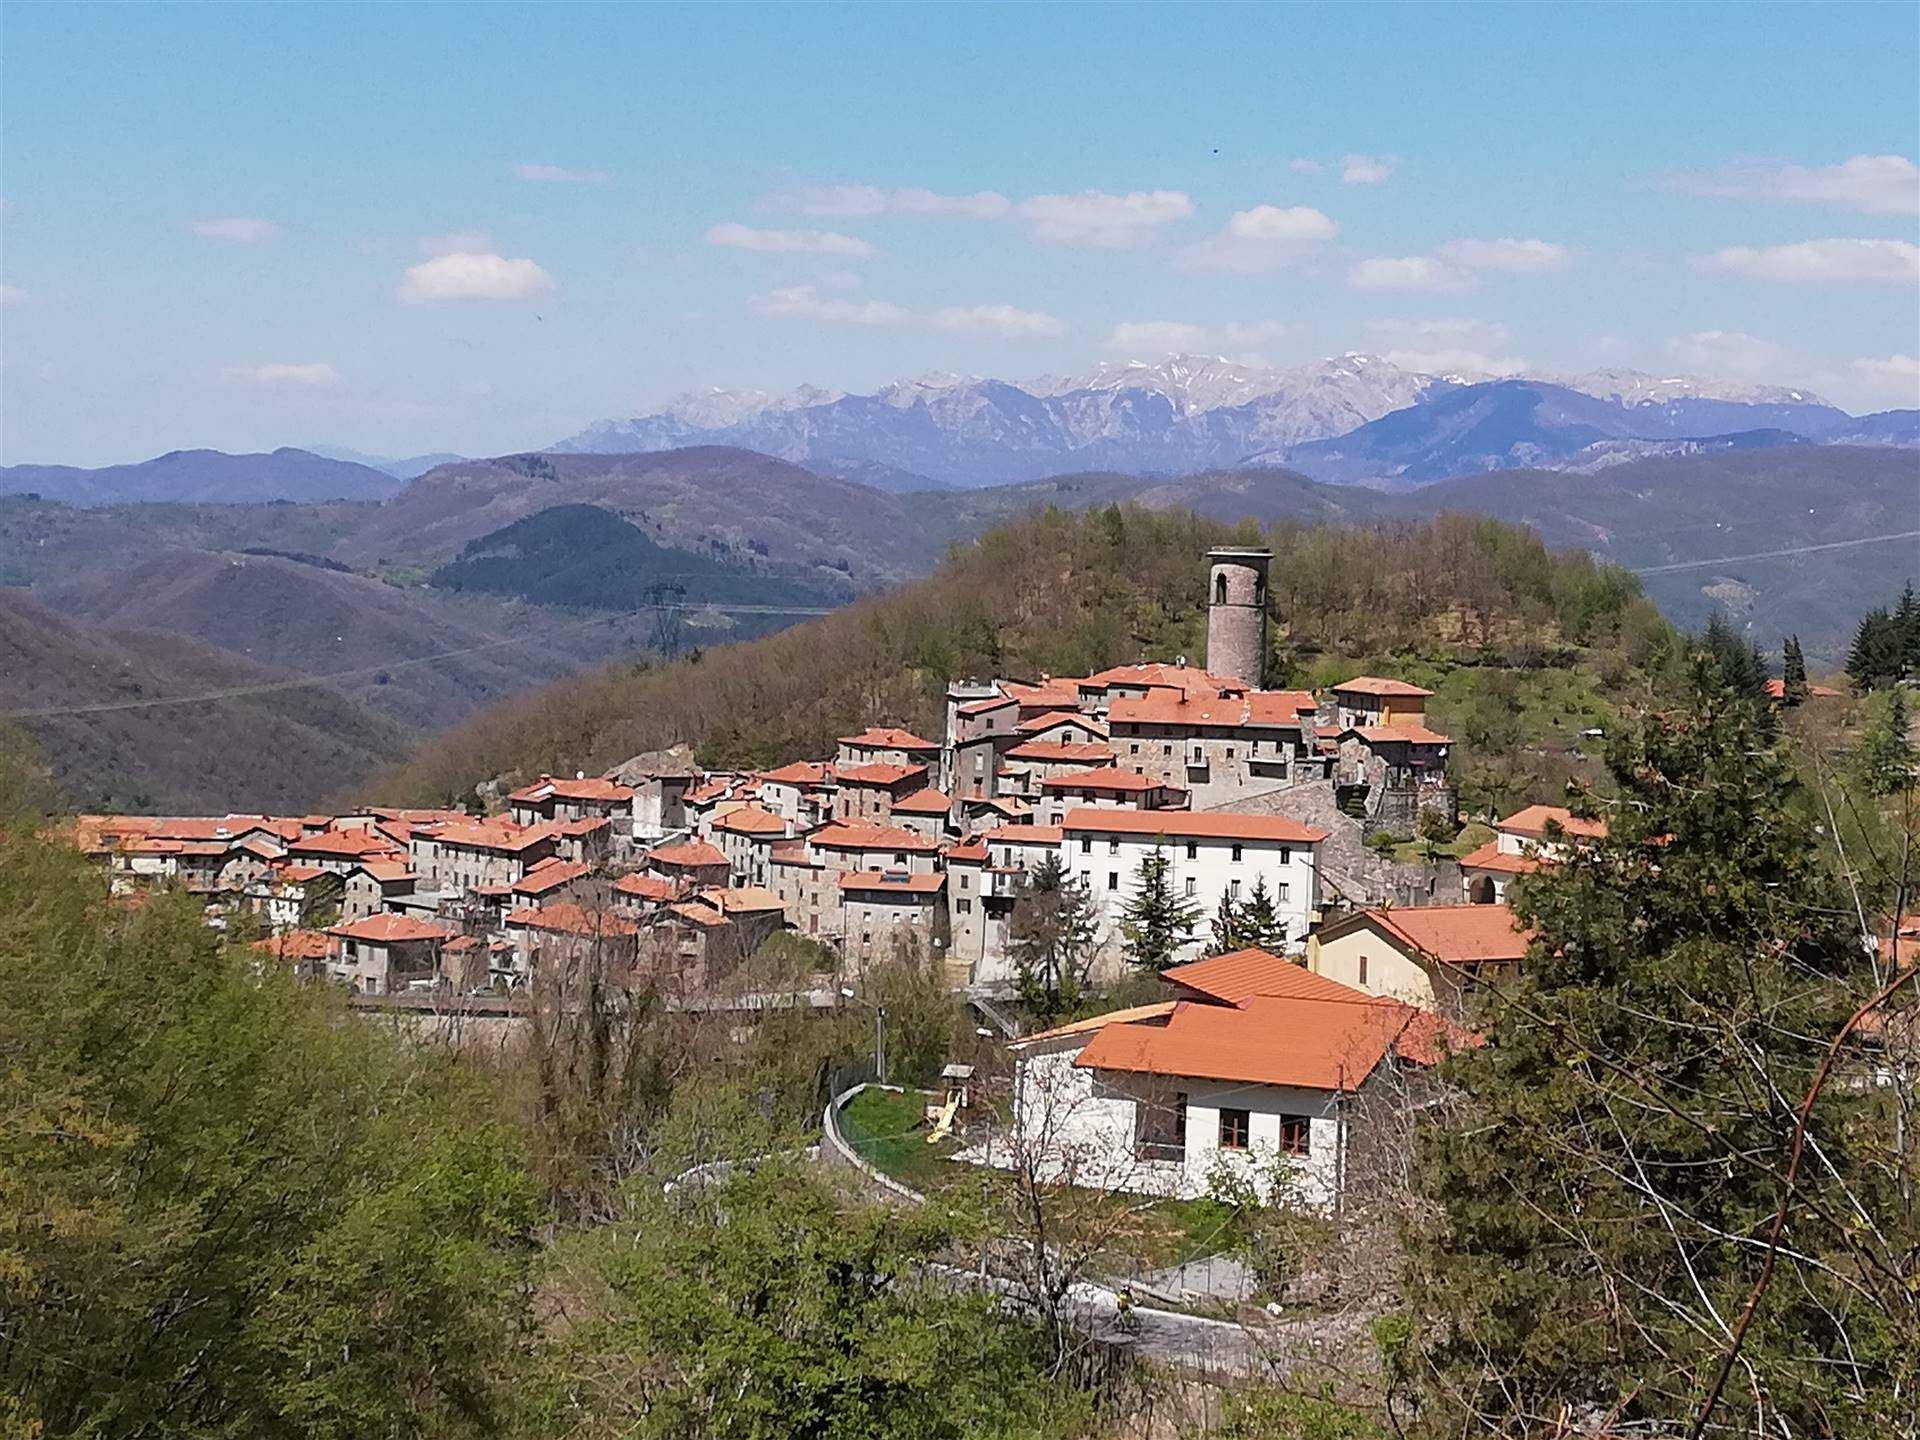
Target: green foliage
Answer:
[[1886, 643], [1253, 922], [1793, 673], [1886, 760], [1724, 660], [1051, 939], [224, 1208], [1274, 1414], [1600, 1193], [762, 1303], [1157, 922]]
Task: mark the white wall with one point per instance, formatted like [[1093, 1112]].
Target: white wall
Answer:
[[1201, 877]]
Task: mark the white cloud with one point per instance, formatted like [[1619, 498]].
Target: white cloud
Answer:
[[1516, 257], [560, 175], [1263, 238], [243, 229], [805, 302], [1304, 166], [1871, 184], [1408, 272], [1437, 333], [1816, 260], [1733, 353], [1000, 322], [736, 236], [458, 242], [1367, 169], [465, 275], [1102, 221], [1456, 362], [1897, 376], [281, 375], [1152, 339], [12, 295], [1005, 322], [865, 200]]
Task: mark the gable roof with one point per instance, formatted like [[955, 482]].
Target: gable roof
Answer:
[[1239, 975], [1490, 857], [1193, 824], [1159, 1009], [741, 900], [1452, 934], [801, 772], [888, 737], [566, 918], [1047, 719], [896, 882], [860, 835], [1289, 709], [389, 928], [1375, 685], [646, 887], [686, 854], [1178, 677], [1027, 834], [1090, 753], [586, 788], [923, 802], [751, 820], [882, 774], [1397, 735], [494, 834], [550, 875], [1532, 822], [296, 945], [1106, 779]]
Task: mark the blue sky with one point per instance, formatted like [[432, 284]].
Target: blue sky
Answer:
[[478, 228]]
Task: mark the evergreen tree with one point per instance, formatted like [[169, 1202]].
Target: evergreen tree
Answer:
[[1260, 922], [1793, 673], [1887, 761], [1604, 1189], [1876, 654], [1730, 662], [1906, 625], [1227, 923], [1051, 937], [1157, 922]]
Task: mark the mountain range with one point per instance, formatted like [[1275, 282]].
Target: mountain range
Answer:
[[204, 475], [1350, 419]]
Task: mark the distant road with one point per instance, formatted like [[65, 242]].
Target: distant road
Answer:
[[1771, 554]]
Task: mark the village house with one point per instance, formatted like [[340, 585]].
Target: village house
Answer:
[[1371, 700], [1133, 682], [980, 897], [689, 864], [886, 745], [713, 931], [855, 845], [292, 897], [746, 835], [304, 953], [581, 798], [643, 893], [925, 812], [553, 881], [586, 841], [1249, 1073], [341, 850], [704, 800], [807, 890], [1025, 765], [1023, 847], [1106, 786], [370, 886], [1062, 727], [1524, 841], [800, 794], [387, 954], [869, 791], [660, 780], [886, 911], [566, 938], [479, 855], [1209, 855], [1424, 955], [1216, 746]]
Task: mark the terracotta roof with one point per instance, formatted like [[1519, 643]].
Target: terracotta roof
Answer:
[[296, 945], [588, 789], [888, 737], [1777, 690], [300, 874], [923, 802], [565, 918], [883, 774], [1178, 677], [1063, 752], [716, 788], [1315, 1044], [893, 881], [986, 706], [1456, 934], [1239, 975], [1397, 735], [1374, 685], [789, 852], [751, 820], [342, 844], [1489, 857], [1055, 693], [387, 871], [687, 854], [1155, 1011], [1039, 724], [1532, 823], [460, 944], [1109, 779], [494, 834], [585, 825], [389, 928], [801, 772], [1027, 834], [646, 887], [1252, 708], [699, 914], [1194, 824], [550, 875], [741, 900], [971, 851], [859, 835]]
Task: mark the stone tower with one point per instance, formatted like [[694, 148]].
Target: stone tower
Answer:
[[1237, 613]]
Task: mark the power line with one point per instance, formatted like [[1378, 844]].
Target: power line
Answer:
[[1772, 554]]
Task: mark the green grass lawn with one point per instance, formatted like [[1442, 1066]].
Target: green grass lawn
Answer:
[[1471, 837]]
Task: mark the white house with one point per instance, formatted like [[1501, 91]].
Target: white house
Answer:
[[1523, 842], [1209, 855], [1251, 1075]]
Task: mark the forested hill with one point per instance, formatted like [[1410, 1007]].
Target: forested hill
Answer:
[[1063, 593]]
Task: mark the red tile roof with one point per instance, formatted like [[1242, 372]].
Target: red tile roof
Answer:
[[1039, 724], [805, 773], [882, 774], [893, 882], [1777, 690], [1488, 857], [1054, 693], [496, 834], [984, 707], [1107, 780], [1374, 685], [1286, 709], [605, 791], [1397, 735], [923, 802], [646, 887], [1532, 823], [1193, 824], [342, 844], [1028, 834], [742, 900], [887, 737], [1178, 677], [1239, 975], [858, 835], [297, 945], [387, 872], [971, 851], [1456, 934], [550, 875], [390, 928], [566, 918], [751, 820], [1050, 752], [699, 914], [301, 874], [687, 854]]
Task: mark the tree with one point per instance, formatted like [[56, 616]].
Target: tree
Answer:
[[1878, 649], [1157, 923], [1603, 1198], [1228, 925], [1886, 760], [226, 1207], [1793, 671], [1732, 662], [1906, 630], [1051, 937], [1260, 922]]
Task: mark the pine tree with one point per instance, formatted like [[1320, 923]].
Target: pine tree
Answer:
[[1733, 663], [1906, 625], [1157, 923], [1876, 652], [1051, 937], [1260, 922], [1887, 762], [1227, 923], [1604, 1187], [1793, 671]]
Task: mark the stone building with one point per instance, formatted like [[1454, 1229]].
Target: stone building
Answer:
[[1237, 613]]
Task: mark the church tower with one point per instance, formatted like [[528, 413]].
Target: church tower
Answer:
[[1237, 613]]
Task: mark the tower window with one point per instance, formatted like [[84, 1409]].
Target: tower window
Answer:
[[1220, 588]]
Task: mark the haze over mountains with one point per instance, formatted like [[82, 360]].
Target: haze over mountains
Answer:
[[1189, 414]]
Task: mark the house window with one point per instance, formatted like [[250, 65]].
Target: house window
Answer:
[[966, 907], [1113, 845], [1113, 879], [1133, 749], [1234, 1127], [1363, 969], [1193, 850], [1236, 854], [1280, 891], [1160, 1129], [1229, 752], [966, 882], [1233, 888], [1193, 886], [1166, 749], [1286, 856], [1086, 844], [1296, 1134]]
